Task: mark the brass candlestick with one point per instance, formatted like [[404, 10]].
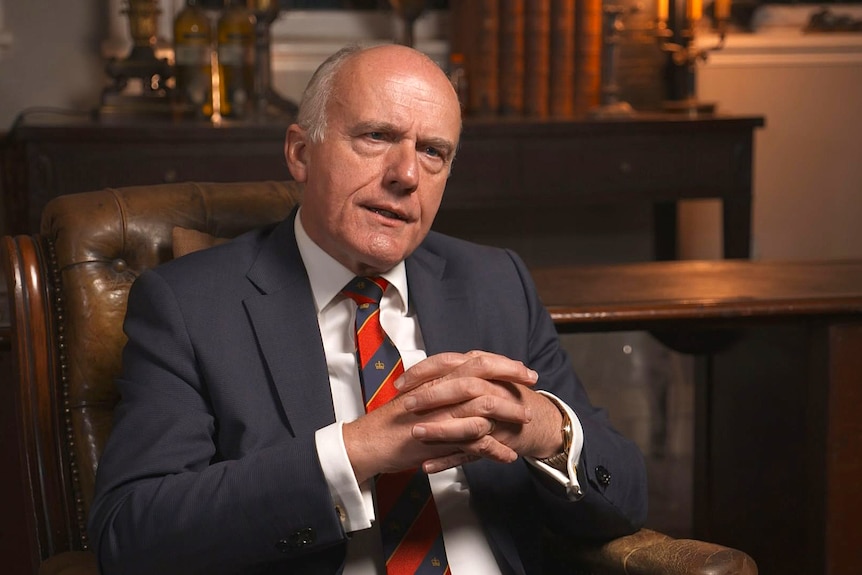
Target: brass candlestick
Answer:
[[267, 102], [408, 11], [684, 54], [612, 29], [149, 74]]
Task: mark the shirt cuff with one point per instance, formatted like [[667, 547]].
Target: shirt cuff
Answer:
[[568, 479], [353, 503]]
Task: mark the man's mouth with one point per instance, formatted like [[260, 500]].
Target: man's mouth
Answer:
[[388, 214]]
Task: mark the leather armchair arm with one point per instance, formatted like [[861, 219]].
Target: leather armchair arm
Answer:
[[70, 563], [651, 553], [643, 553]]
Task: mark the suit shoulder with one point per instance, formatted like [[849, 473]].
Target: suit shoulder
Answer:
[[448, 246], [463, 253], [234, 256]]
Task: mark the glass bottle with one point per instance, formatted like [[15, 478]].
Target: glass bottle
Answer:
[[192, 58], [236, 59]]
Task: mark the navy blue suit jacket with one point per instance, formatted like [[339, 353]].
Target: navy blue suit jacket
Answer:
[[211, 466]]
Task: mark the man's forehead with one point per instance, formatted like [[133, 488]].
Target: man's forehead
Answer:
[[394, 105]]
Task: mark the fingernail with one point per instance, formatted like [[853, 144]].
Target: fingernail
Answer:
[[528, 414], [399, 382], [409, 402], [534, 375], [419, 432]]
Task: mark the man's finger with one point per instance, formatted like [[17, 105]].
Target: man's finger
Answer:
[[485, 448], [429, 369], [468, 398], [475, 363], [448, 462], [454, 430]]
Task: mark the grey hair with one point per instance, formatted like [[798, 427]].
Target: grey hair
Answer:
[[312, 107]]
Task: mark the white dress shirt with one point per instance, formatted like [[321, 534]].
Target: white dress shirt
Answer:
[[467, 548]]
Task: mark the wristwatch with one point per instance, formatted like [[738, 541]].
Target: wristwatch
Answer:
[[560, 460]]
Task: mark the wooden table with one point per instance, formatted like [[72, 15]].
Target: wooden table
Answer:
[[511, 168], [778, 414]]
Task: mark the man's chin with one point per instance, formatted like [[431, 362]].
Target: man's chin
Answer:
[[378, 262]]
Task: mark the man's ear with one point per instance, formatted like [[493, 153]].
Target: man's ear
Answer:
[[296, 153]]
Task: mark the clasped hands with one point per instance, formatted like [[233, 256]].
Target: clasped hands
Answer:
[[453, 408]]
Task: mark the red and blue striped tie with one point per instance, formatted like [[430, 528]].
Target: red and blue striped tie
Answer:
[[410, 526]]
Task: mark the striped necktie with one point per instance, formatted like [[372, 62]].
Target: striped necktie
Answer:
[[410, 526]]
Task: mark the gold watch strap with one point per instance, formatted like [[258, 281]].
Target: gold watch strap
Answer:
[[560, 460]]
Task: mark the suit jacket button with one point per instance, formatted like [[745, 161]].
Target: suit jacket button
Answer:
[[302, 537], [603, 475], [296, 540]]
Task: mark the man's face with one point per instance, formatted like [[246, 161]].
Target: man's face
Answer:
[[375, 182]]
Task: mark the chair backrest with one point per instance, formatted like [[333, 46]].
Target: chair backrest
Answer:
[[67, 289]]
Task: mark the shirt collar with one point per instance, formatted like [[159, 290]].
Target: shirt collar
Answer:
[[327, 276]]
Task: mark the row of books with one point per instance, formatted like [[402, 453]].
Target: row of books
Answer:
[[538, 58]]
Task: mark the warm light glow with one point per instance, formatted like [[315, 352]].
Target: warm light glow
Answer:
[[662, 10], [261, 5], [695, 10], [722, 9], [216, 88]]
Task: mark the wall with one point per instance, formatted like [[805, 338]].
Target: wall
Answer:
[[808, 173], [52, 58]]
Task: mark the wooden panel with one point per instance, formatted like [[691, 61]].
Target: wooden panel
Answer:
[[844, 453], [778, 446], [631, 295], [524, 164]]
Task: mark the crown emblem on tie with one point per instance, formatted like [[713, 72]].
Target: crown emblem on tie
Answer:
[[364, 305], [379, 365], [360, 284], [435, 562]]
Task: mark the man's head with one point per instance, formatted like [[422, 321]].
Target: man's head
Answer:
[[374, 141]]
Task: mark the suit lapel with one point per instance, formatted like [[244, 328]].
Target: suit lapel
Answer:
[[285, 324], [442, 304]]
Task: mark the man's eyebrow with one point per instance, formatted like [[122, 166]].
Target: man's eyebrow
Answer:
[[389, 128], [372, 126]]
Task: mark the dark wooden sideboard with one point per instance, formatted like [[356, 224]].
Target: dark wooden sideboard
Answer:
[[778, 392], [512, 166]]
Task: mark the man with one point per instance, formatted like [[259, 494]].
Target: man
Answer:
[[243, 442]]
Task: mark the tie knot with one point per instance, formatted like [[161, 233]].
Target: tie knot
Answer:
[[364, 290]]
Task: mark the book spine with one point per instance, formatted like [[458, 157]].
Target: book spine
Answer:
[[588, 55], [537, 58], [511, 57], [563, 57], [484, 87]]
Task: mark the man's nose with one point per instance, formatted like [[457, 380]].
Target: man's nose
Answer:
[[403, 167]]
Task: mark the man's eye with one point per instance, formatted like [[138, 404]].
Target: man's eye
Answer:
[[376, 135], [433, 152]]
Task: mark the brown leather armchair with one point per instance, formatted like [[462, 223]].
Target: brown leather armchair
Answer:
[[67, 290]]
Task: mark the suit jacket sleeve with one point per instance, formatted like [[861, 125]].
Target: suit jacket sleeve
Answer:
[[611, 467], [491, 303]]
